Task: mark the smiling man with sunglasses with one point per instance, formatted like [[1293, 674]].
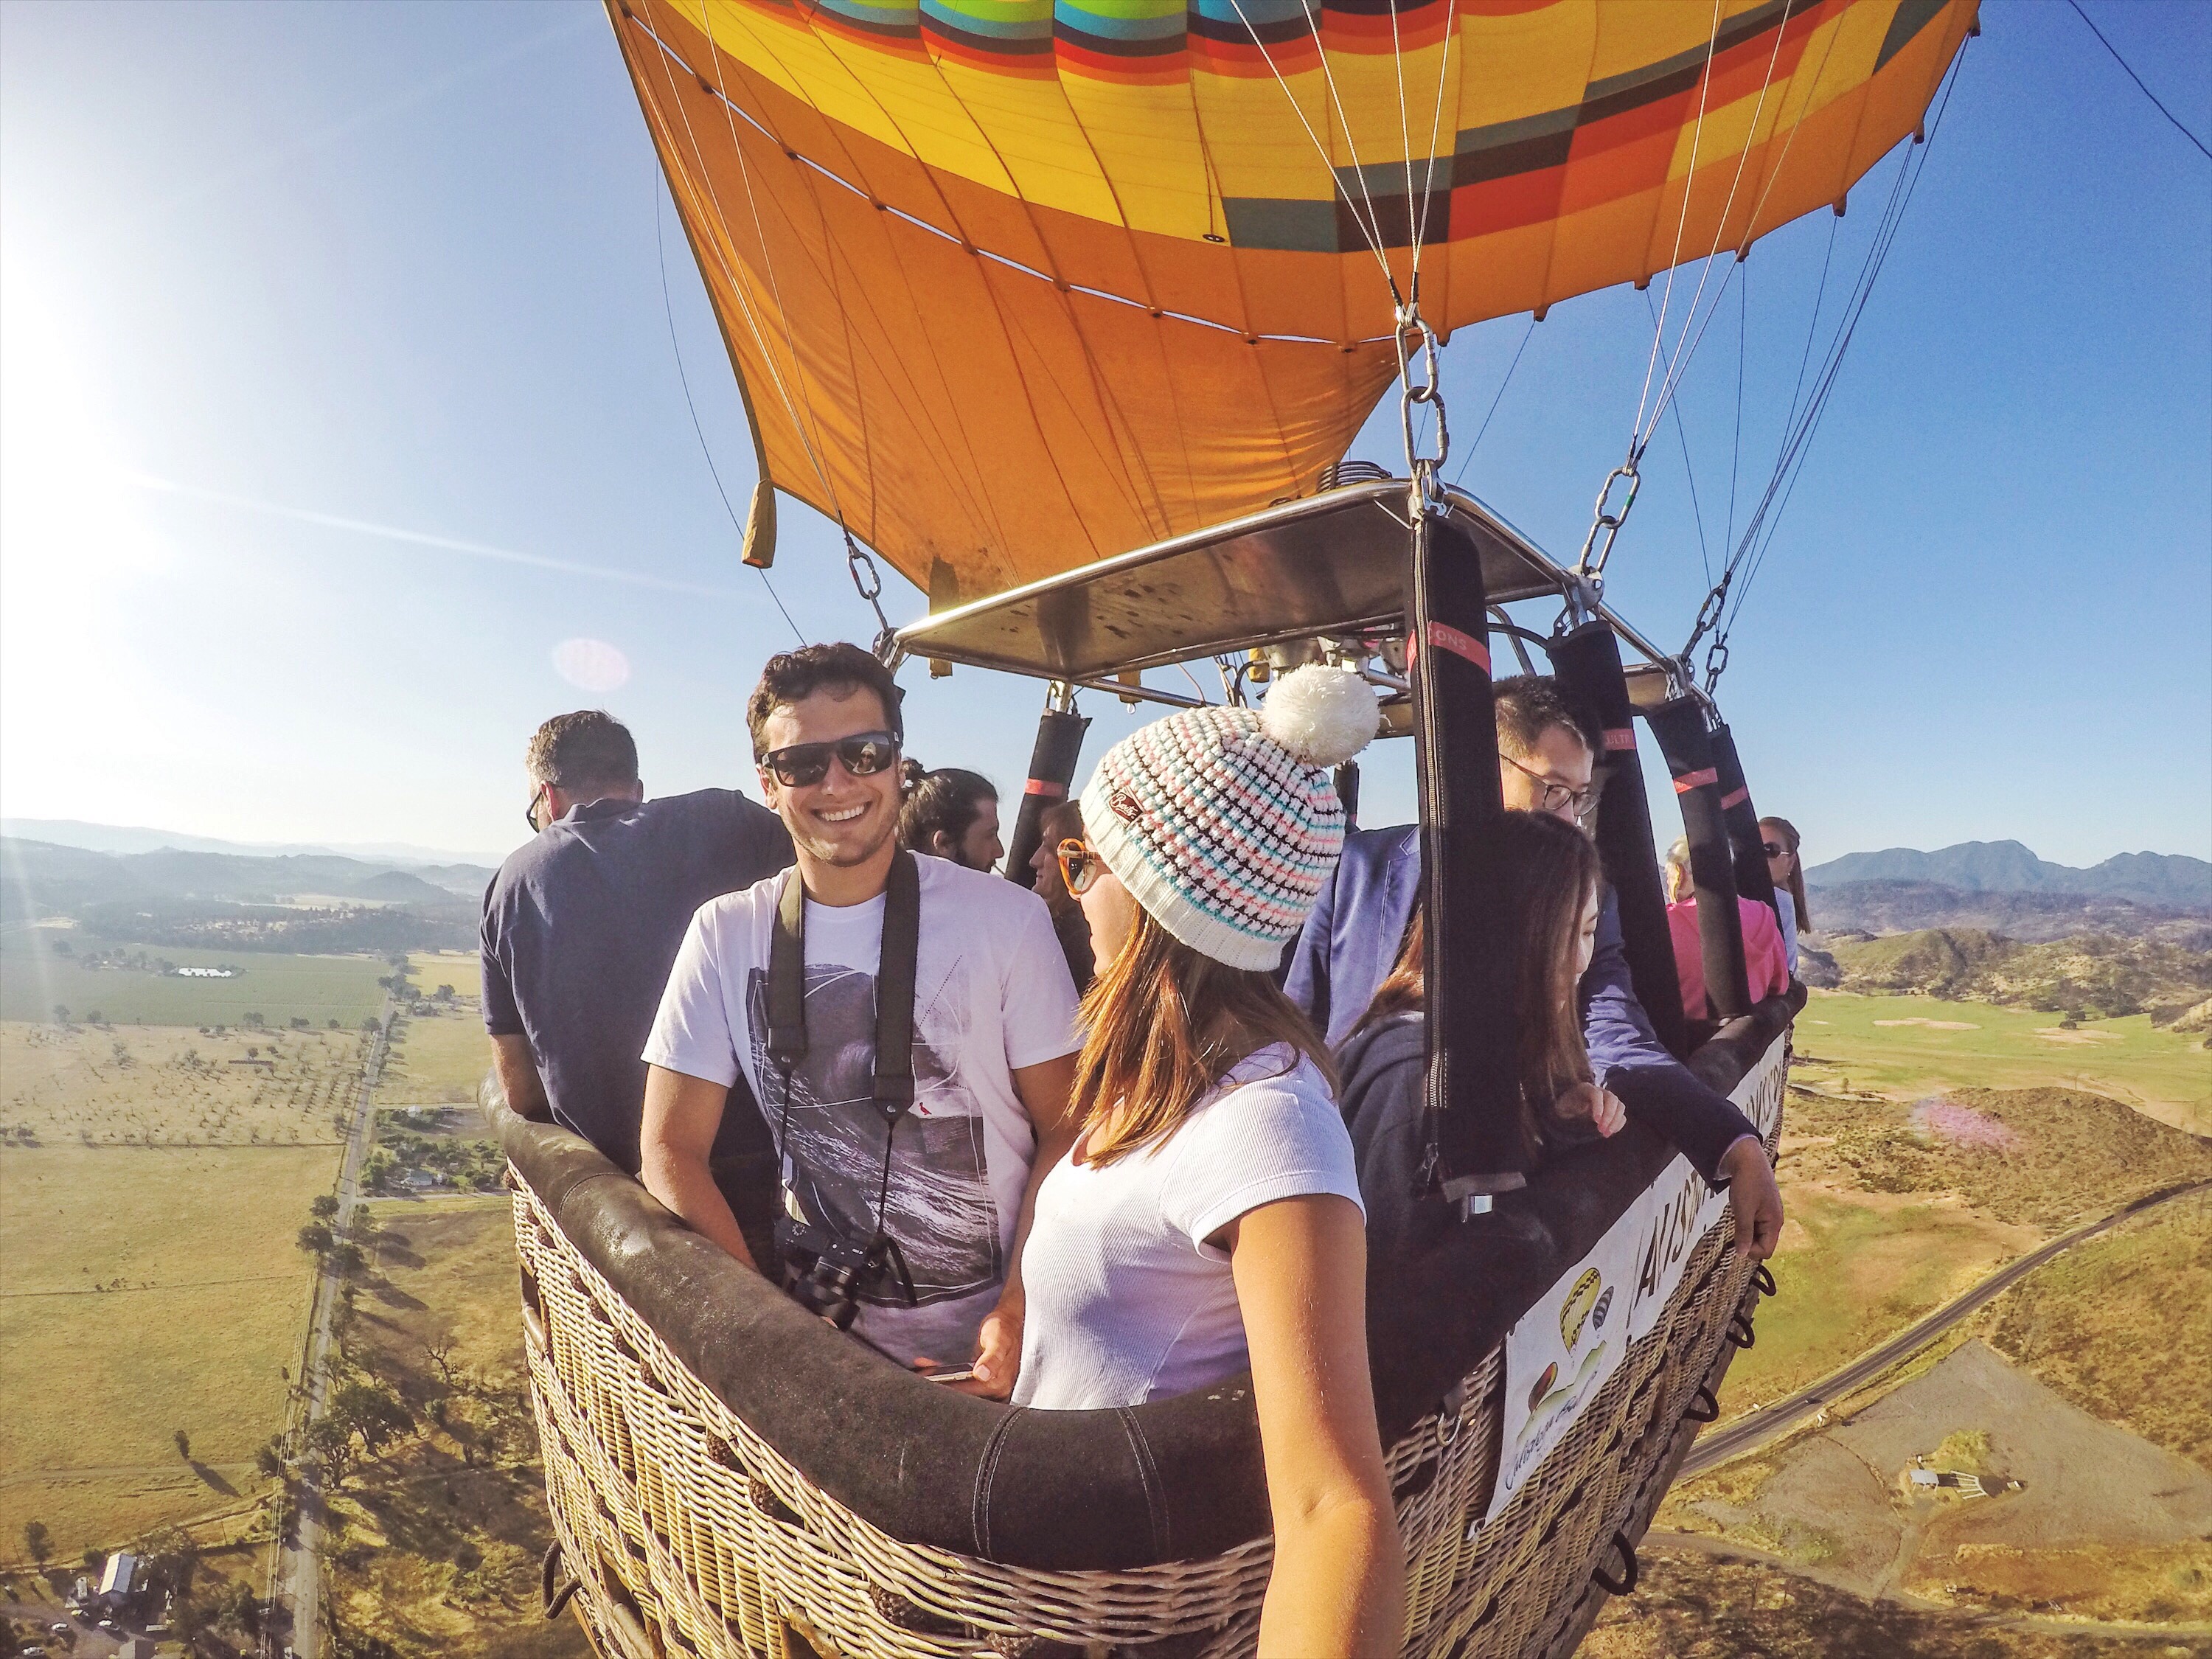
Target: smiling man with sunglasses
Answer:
[[937, 1197]]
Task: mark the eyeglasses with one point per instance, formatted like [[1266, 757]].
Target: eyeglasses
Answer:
[[529, 812], [1774, 852], [1079, 866], [864, 754], [1552, 796]]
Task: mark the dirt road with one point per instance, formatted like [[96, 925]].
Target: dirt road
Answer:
[[297, 1578], [1772, 1422]]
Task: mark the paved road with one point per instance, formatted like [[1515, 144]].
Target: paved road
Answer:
[[1770, 1422], [296, 1580]]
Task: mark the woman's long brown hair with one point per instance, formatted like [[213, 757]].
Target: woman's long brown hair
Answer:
[[1163, 1026], [1549, 870], [1796, 871]]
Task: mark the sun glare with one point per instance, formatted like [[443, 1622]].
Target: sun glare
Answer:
[[72, 546]]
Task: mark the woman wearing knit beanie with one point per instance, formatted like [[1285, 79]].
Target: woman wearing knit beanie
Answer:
[[1208, 1217]]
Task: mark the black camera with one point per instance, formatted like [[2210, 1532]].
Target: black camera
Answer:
[[827, 1275]]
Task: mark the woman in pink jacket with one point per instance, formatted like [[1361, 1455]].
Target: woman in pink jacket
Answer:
[[1765, 965]]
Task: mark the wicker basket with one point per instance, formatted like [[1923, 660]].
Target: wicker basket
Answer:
[[686, 1533]]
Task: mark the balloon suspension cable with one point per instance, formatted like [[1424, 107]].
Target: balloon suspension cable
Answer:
[[1420, 378], [868, 583]]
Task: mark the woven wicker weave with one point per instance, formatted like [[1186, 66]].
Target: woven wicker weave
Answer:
[[688, 1534]]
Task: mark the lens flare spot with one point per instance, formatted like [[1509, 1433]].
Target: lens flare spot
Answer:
[[590, 665]]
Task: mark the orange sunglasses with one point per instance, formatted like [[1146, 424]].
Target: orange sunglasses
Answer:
[[1078, 865]]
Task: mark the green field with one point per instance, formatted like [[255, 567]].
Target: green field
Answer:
[[436, 1057], [2122, 1326], [207, 1310], [461, 969], [1853, 1269], [1842, 1039], [35, 979]]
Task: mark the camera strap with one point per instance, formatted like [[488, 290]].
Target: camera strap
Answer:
[[894, 981], [893, 1089]]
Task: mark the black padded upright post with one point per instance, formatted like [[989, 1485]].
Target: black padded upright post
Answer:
[[1347, 791], [1684, 739], [1753, 880], [1473, 1089], [1051, 769], [1586, 661]]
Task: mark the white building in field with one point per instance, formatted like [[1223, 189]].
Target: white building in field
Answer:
[[121, 1580]]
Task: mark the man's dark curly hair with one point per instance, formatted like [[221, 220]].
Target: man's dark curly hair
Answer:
[[586, 751], [1529, 705], [839, 669]]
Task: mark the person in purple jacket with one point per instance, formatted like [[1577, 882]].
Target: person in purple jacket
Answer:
[[1546, 760]]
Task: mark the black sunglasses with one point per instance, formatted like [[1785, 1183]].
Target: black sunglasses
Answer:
[[529, 812], [864, 754]]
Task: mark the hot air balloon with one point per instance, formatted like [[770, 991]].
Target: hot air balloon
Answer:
[[1069, 311]]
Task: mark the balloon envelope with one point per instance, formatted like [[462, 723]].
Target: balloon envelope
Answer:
[[1013, 285]]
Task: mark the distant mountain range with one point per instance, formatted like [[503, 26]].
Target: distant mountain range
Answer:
[[42, 878], [131, 838], [2170, 880]]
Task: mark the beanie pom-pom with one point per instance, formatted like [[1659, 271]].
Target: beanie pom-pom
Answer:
[[1324, 715]]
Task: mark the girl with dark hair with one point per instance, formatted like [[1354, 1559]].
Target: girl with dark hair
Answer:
[[1208, 1220], [950, 814], [1551, 874], [1779, 840]]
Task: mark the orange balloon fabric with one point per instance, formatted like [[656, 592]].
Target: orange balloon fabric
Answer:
[[1013, 285]]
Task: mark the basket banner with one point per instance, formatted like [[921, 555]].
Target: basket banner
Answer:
[[1560, 1353], [1562, 1350]]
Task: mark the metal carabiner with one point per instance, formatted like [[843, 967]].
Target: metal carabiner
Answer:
[[1428, 389], [1609, 523]]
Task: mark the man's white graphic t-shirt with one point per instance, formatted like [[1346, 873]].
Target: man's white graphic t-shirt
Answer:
[[991, 995]]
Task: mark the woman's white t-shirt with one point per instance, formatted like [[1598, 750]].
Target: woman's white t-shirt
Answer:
[[1127, 1301], [991, 995]]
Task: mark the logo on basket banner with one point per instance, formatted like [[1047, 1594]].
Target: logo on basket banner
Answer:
[[1548, 1399], [1586, 1303]]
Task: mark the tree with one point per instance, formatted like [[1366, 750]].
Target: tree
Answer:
[[438, 1347], [270, 1459], [38, 1542], [348, 1258], [322, 1206], [371, 1412], [184, 1444], [95, 1018], [316, 1238], [61, 1014], [331, 1444]]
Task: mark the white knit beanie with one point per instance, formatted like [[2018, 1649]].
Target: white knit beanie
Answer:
[[1223, 822]]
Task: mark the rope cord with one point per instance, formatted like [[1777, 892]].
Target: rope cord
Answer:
[[1689, 472], [723, 249], [1526, 335], [1681, 223], [767, 263], [1724, 609], [1677, 363], [668, 309], [2138, 80], [1368, 229], [1736, 453]]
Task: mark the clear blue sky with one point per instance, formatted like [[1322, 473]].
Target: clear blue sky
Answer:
[[279, 280]]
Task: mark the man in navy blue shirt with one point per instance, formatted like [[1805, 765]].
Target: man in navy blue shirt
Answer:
[[583, 920], [1547, 759]]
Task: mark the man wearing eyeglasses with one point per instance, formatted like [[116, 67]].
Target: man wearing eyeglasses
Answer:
[[944, 1190], [582, 921], [1547, 762]]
